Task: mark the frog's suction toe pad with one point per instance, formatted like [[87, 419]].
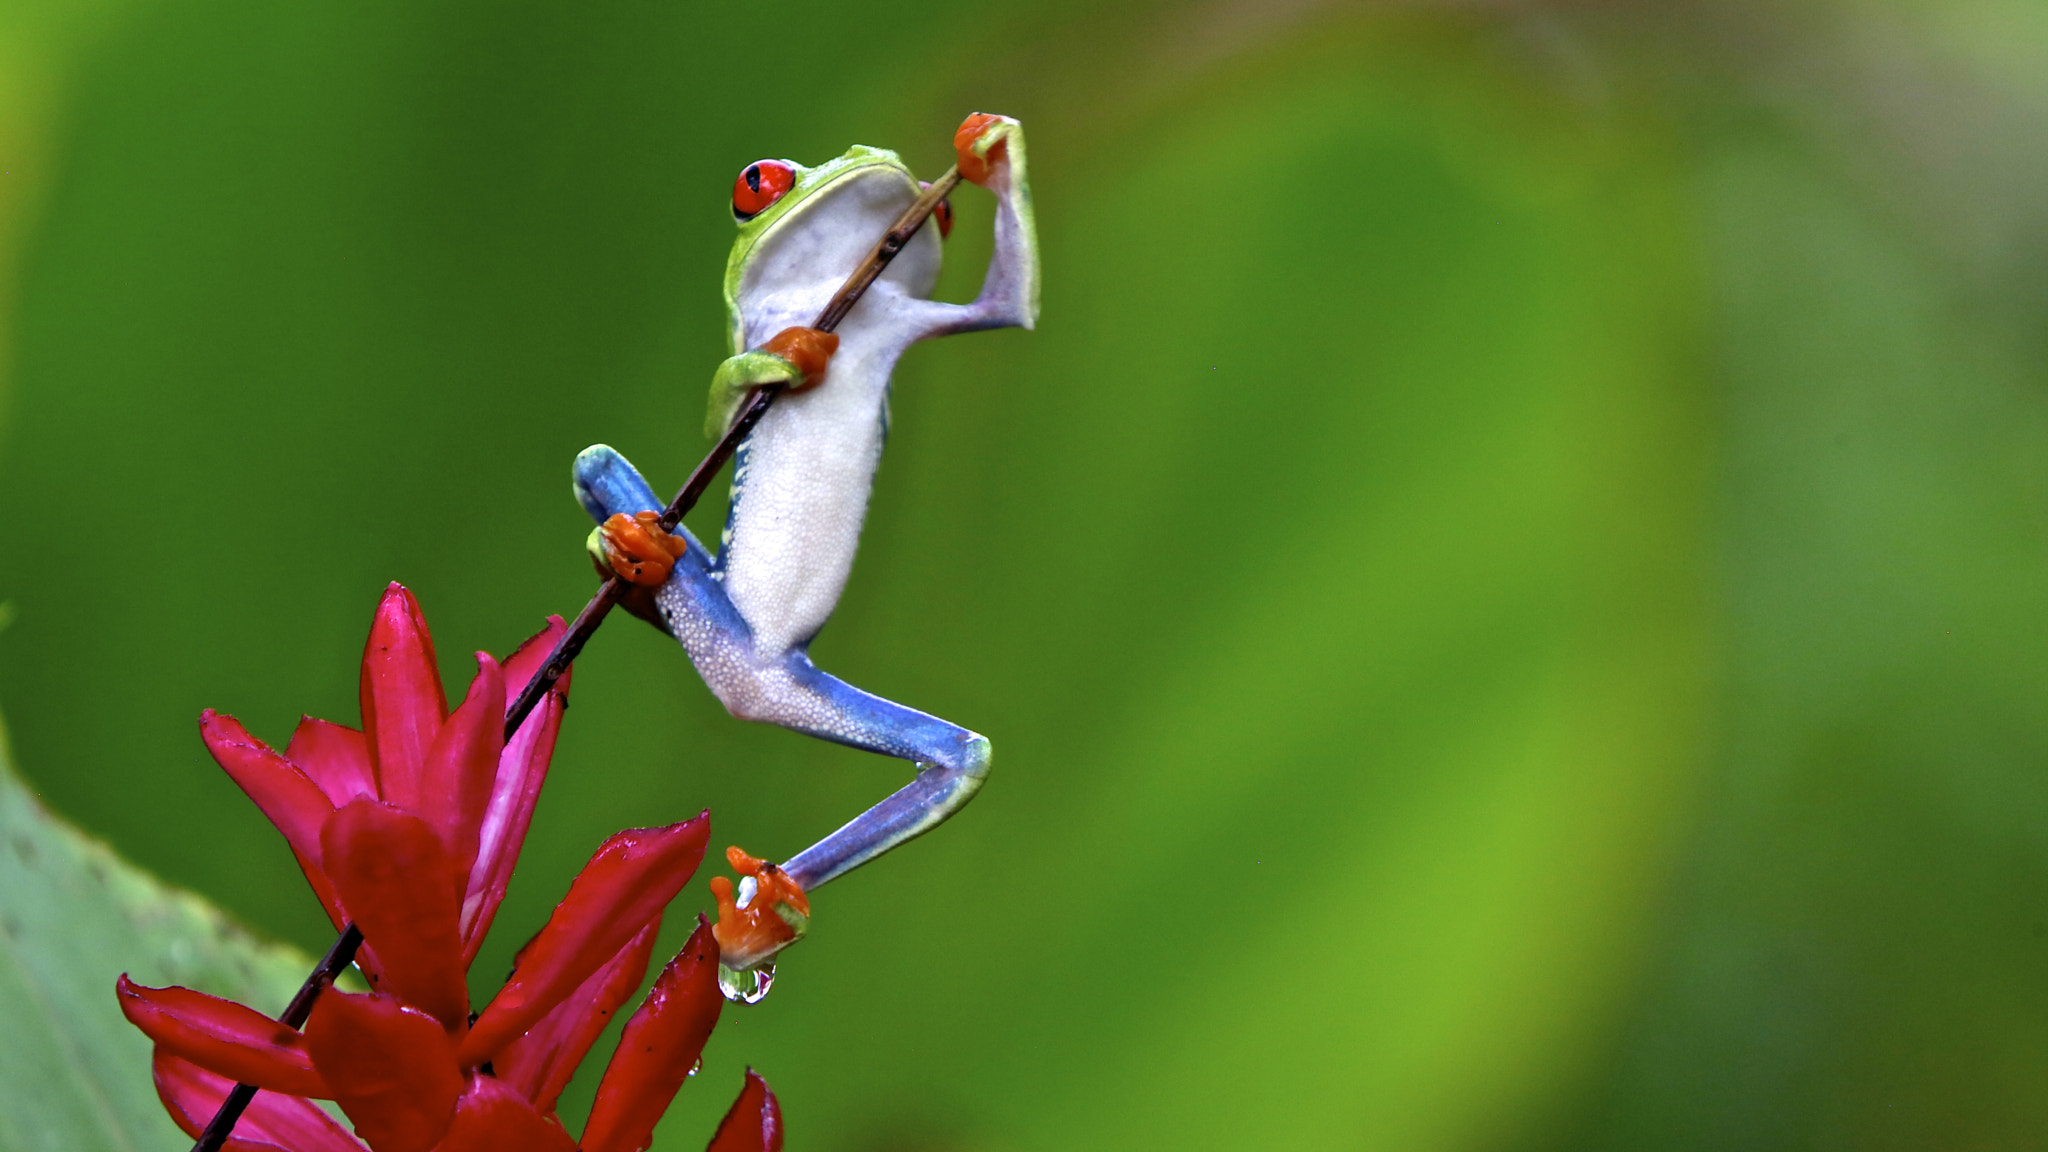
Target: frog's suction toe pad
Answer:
[[980, 144]]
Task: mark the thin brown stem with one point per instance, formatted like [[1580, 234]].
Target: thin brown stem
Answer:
[[342, 954]]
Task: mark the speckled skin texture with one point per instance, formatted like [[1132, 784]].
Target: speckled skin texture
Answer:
[[801, 482]]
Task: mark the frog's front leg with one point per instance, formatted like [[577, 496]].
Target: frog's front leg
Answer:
[[783, 687], [991, 154]]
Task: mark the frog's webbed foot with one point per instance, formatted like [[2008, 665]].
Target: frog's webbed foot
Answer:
[[991, 151], [769, 913], [984, 143], [628, 541], [638, 551], [636, 548]]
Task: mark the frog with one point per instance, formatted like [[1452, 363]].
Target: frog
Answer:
[[801, 482]]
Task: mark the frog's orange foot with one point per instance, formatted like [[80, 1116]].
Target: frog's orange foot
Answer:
[[639, 550], [777, 913], [983, 144], [809, 349]]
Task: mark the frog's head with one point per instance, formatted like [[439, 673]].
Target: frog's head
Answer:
[[802, 229]]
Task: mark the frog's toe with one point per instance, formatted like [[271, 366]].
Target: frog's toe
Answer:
[[807, 350], [637, 548], [983, 142], [769, 913]]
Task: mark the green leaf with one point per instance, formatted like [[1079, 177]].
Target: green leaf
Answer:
[[73, 915]]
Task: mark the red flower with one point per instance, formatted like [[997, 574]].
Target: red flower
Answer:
[[454, 772], [409, 829]]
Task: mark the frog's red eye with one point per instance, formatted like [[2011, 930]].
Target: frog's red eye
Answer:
[[761, 183]]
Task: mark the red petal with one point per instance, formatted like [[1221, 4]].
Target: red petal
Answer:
[[494, 1118], [291, 801], [392, 1068], [659, 1047], [461, 766], [522, 768], [632, 877], [192, 1095], [335, 757], [222, 1036], [755, 1122], [526, 660], [393, 874], [403, 706], [541, 1062]]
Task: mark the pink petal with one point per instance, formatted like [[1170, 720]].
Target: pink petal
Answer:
[[659, 1047], [541, 1062], [755, 1122], [335, 757], [461, 767], [222, 1036], [526, 660], [493, 1117], [192, 1095], [403, 706], [392, 1068], [522, 768], [393, 874], [292, 802], [633, 876]]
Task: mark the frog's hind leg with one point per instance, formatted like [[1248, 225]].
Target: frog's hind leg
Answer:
[[784, 688], [952, 763]]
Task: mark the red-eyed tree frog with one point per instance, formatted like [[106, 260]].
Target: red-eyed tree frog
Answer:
[[800, 486]]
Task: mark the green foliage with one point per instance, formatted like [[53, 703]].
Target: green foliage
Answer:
[[73, 1075]]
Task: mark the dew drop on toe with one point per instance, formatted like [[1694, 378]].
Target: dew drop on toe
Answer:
[[748, 987]]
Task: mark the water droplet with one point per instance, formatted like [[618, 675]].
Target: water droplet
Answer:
[[695, 1068], [748, 987]]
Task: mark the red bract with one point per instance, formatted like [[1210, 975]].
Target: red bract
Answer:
[[660, 1045], [191, 1095], [455, 773], [236, 1040], [410, 829], [755, 1122], [393, 1070]]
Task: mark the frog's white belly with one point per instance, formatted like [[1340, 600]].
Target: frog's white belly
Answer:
[[802, 493]]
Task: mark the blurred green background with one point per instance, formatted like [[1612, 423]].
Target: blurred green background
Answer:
[[1508, 586]]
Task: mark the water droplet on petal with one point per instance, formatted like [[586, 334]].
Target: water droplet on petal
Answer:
[[748, 987]]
